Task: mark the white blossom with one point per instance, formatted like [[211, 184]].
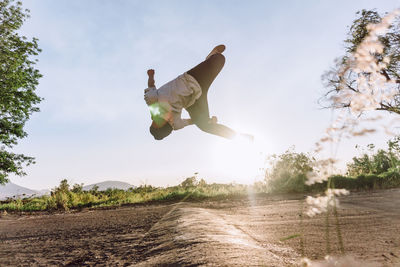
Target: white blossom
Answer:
[[321, 204]]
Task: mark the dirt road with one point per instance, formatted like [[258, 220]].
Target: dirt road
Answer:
[[248, 232]]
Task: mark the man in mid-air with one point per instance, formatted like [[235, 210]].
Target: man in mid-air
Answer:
[[188, 91]]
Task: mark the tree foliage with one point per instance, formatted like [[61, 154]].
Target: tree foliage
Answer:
[[18, 81], [336, 79], [377, 162], [77, 188], [288, 171]]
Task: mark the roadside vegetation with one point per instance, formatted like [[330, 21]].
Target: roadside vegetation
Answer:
[[64, 197], [288, 172], [378, 169]]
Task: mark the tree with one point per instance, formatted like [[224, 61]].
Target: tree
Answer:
[[63, 187], [288, 171], [18, 81], [189, 182], [386, 56], [77, 188], [377, 162]]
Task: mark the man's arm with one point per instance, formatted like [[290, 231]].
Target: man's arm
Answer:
[[181, 123], [178, 122], [151, 82], [188, 122], [150, 93]]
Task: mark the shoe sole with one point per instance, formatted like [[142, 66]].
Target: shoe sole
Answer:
[[219, 49]]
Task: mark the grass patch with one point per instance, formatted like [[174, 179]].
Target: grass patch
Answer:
[[63, 198]]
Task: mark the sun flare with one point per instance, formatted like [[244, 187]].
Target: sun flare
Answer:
[[239, 160]]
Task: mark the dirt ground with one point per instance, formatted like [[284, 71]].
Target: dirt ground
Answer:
[[248, 232]]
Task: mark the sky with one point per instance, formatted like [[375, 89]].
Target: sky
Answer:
[[94, 124]]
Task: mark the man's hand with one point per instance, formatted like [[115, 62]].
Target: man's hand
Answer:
[[151, 82], [213, 120], [150, 72]]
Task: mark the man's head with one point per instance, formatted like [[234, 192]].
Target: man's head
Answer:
[[160, 114], [160, 132]]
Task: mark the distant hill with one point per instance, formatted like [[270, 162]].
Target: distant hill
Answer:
[[108, 184], [12, 190]]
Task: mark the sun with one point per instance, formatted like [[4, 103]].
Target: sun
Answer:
[[239, 160]]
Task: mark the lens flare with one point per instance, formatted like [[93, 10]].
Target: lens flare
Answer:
[[155, 110]]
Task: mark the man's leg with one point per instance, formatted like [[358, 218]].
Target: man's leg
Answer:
[[217, 129], [205, 73], [207, 70]]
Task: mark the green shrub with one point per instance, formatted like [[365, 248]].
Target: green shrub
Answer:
[[367, 182], [51, 203], [390, 179], [87, 198], [376, 162], [13, 205], [289, 171], [380, 170], [77, 188], [35, 204], [62, 198]]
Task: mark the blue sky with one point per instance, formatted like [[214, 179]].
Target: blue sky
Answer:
[[93, 124]]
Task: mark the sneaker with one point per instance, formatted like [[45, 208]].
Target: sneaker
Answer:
[[219, 49]]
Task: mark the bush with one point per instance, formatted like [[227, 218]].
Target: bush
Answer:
[[61, 200], [279, 180], [390, 179], [77, 188], [35, 204], [379, 171], [362, 182], [376, 162], [288, 172]]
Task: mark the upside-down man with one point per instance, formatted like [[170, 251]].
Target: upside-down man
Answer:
[[188, 91]]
